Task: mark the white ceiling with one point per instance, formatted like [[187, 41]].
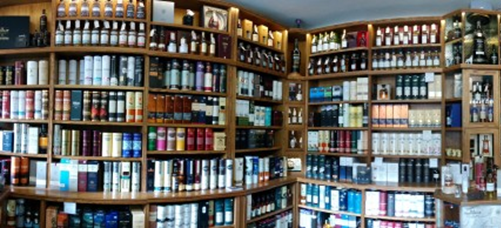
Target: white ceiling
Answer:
[[320, 13]]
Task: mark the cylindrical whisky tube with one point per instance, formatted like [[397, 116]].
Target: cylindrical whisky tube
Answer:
[[136, 145], [103, 106], [161, 139], [73, 72], [116, 150], [130, 107], [130, 70], [43, 72], [75, 143], [14, 104], [9, 75], [65, 142], [62, 69], [95, 106], [32, 73], [127, 145], [30, 104], [120, 106], [152, 138], [106, 144], [87, 106], [6, 104], [88, 69], [81, 71], [45, 104], [112, 106], [138, 107], [105, 70], [66, 104], [21, 108], [180, 138], [58, 105], [122, 71], [97, 77], [171, 139], [37, 106]]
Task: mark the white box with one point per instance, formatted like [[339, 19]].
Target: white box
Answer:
[[392, 172], [163, 11]]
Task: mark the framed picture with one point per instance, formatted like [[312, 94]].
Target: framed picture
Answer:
[[215, 18]]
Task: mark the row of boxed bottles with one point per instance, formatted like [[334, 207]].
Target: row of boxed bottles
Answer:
[[349, 91], [25, 104], [338, 141], [407, 35], [344, 169], [108, 10], [185, 139], [252, 84], [399, 204], [177, 175], [400, 116], [331, 198], [331, 41], [253, 138], [103, 70], [22, 213], [203, 214], [31, 72], [24, 139], [340, 115], [262, 203], [184, 42], [425, 144], [186, 109], [250, 114], [187, 75], [410, 87], [313, 219], [56, 216], [98, 106], [100, 36], [282, 220], [251, 31], [406, 171], [71, 142]]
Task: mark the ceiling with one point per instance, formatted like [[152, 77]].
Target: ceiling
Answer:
[[321, 13]]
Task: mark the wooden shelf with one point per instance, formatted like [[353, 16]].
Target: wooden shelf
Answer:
[[102, 18], [379, 217], [411, 187], [259, 99], [8, 153], [480, 66], [452, 68], [99, 49], [339, 75], [447, 100], [241, 151], [261, 45], [187, 152], [339, 128], [271, 214], [453, 158], [24, 121], [25, 51], [94, 158], [4, 195], [4, 3], [329, 211], [259, 69], [188, 27], [330, 183], [464, 200], [339, 51], [189, 92], [336, 102], [186, 125], [194, 57], [424, 156], [407, 46], [417, 101], [260, 127], [96, 87], [339, 154], [453, 129], [97, 123], [406, 129], [24, 87], [406, 71]]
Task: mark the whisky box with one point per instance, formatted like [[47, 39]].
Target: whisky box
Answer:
[[51, 216], [82, 176], [397, 115], [389, 115], [247, 26], [263, 34], [219, 141], [382, 115], [375, 116], [152, 102], [15, 32], [41, 174], [278, 40], [92, 176], [404, 115], [224, 46], [154, 72]]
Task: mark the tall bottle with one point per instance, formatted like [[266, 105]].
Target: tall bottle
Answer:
[[84, 9], [61, 9], [344, 40], [296, 57], [130, 10], [119, 9], [43, 140], [203, 45], [96, 9], [43, 21], [239, 28], [212, 45], [108, 9], [141, 11], [72, 10]]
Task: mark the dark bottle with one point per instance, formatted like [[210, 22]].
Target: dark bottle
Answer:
[[363, 61], [271, 61], [479, 54], [241, 52], [43, 140], [257, 57], [354, 62], [494, 55], [250, 54], [43, 22], [311, 67], [296, 57], [119, 9], [130, 9], [141, 11]]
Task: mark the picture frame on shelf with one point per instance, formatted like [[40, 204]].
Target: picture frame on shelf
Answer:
[[215, 18]]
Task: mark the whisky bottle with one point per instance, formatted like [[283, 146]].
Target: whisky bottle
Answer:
[[314, 44], [255, 35], [343, 63], [161, 40], [311, 67], [457, 29], [141, 10], [335, 64], [406, 36], [72, 10], [257, 56], [264, 59], [296, 57], [68, 34], [172, 47], [400, 59], [422, 59], [130, 9], [332, 41], [241, 52], [208, 78], [429, 60], [396, 36], [436, 59], [415, 34], [494, 55], [354, 60], [175, 80], [239, 28], [375, 65], [393, 60], [424, 34], [194, 43], [292, 142], [326, 65], [119, 9], [270, 39], [433, 33], [122, 36], [363, 61], [379, 37], [96, 9], [271, 61], [319, 67], [250, 54], [84, 9], [61, 9], [325, 42], [203, 45], [77, 34], [104, 39], [183, 46], [320, 43], [86, 37], [141, 36], [43, 22], [387, 36], [212, 45], [344, 40], [108, 9], [132, 36], [153, 39], [490, 187]]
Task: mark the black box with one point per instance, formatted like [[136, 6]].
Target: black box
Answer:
[[76, 105], [14, 32]]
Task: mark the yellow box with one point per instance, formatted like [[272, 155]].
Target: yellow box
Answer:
[[389, 116], [247, 26], [277, 42], [397, 116], [375, 116], [263, 34], [382, 115], [404, 113]]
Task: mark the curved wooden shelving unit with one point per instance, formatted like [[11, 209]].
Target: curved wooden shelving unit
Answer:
[[260, 127], [259, 99], [102, 18], [241, 151], [259, 69], [96, 158], [339, 75], [97, 87], [261, 45], [340, 51], [411, 187], [194, 57], [393, 218], [192, 125], [7, 153], [24, 121], [187, 152], [337, 154]]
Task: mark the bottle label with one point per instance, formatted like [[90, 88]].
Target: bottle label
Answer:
[[489, 187], [378, 41], [141, 41]]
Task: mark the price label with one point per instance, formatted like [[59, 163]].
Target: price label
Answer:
[[70, 208], [433, 163], [429, 76]]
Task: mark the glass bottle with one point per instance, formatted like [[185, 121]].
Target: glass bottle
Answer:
[[43, 21], [314, 44], [320, 43], [68, 34], [379, 37], [96, 9], [400, 59], [94, 34], [406, 36], [255, 35], [326, 42], [424, 34], [250, 54], [241, 52], [119, 9], [239, 28], [436, 59], [61, 9], [422, 59], [130, 9], [59, 36], [457, 29], [264, 59], [415, 59], [344, 40], [122, 36], [203, 45], [212, 45], [84, 9], [43, 140], [86, 34], [292, 142], [141, 10], [319, 66], [354, 62], [375, 65], [343, 63], [77, 34], [433, 33], [141, 36], [172, 47], [415, 34], [393, 60], [114, 35], [257, 56], [387, 36], [271, 61], [108, 9], [132, 36], [383, 93], [490, 187], [311, 67], [104, 39], [153, 39], [296, 57], [494, 56], [270, 39], [408, 59], [429, 60], [72, 10], [396, 36], [183, 45]]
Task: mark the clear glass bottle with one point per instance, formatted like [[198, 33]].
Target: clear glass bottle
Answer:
[[379, 37], [104, 38], [239, 28], [108, 9], [141, 36], [61, 9], [114, 35], [84, 9], [72, 10], [212, 45], [86, 34], [122, 36], [68, 34], [172, 47], [436, 59], [344, 40], [141, 10], [255, 35], [194, 43], [96, 9], [270, 39], [132, 36], [375, 65], [429, 59], [153, 39], [203, 45], [183, 45], [77, 34], [119, 9], [314, 44], [59, 37], [94, 38], [130, 9]]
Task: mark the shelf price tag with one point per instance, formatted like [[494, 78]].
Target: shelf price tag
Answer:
[[433, 163], [70, 208], [429, 76]]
